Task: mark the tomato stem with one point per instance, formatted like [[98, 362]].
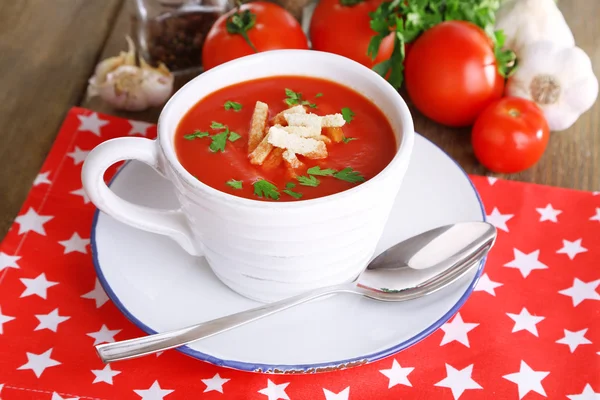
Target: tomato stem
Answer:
[[239, 23], [513, 112], [350, 3]]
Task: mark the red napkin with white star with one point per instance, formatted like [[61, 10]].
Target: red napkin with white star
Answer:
[[531, 329]]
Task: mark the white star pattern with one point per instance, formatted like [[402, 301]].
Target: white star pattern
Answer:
[[50, 321], [78, 155], [98, 295], [56, 396], [275, 392], [587, 394], [343, 395], [581, 291], [155, 392], [458, 380], [492, 180], [485, 284], [7, 261], [1, 386], [104, 335], [524, 321], [528, 380], [397, 375], [105, 375], [32, 221], [526, 262], [457, 330], [572, 248], [3, 320], [81, 192], [75, 243], [548, 213], [91, 123], [38, 286], [574, 339], [597, 216], [42, 178], [139, 127], [39, 362], [215, 383], [499, 220]]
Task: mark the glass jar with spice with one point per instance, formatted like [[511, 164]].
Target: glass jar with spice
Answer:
[[173, 31]]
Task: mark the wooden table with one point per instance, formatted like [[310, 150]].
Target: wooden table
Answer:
[[49, 50]]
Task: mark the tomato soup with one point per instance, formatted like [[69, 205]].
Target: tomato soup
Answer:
[[286, 138]]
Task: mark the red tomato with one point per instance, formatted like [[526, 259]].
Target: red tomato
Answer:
[[510, 135], [451, 73], [274, 29], [345, 30]]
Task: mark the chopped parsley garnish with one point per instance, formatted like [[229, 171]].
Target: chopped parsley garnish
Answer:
[[235, 184], [288, 190], [308, 181], [320, 172], [218, 141], [233, 136], [217, 125], [295, 98], [232, 105], [349, 175], [196, 135], [318, 95], [266, 189], [348, 114], [347, 140]]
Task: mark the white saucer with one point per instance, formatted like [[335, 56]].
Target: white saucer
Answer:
[[159, 287]]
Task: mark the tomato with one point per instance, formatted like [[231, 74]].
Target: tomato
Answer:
[[451, 73], [345, 30], [510, 135], [266, 25]]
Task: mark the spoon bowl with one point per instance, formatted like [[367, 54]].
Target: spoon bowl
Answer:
[[414, 268]]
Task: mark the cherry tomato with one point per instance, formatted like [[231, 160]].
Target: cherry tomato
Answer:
[[510, 135], [254, 27], [343, 27], [451, 73]]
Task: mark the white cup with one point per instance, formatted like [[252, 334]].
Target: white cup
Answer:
[[265, 251]]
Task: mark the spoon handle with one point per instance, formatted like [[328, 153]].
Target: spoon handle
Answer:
[[145, 345]]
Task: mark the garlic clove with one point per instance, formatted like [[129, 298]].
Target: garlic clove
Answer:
[[123, 89]]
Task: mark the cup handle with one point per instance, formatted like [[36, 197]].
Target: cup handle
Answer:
[[171, 223]]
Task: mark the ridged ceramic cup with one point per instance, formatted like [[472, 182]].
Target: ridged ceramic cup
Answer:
[[263, 250]]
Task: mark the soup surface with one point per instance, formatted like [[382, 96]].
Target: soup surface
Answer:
[[284, 139]]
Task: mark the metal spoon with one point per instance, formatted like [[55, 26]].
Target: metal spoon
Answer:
[[416, 267]]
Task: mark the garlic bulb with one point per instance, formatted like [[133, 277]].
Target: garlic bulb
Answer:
[[124, 85], [559, 79], [529, 21]]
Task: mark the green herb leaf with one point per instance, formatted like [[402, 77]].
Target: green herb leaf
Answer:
[[196, 135], [232, 105], [217, 125], [308, 181], [349, 175], [233, 136], [318, 95], [347, 140], [218, 141], [290, 192], [294, 98], [235, 184], [348, 114], [316, 170], [290, 185], [240, 23], [266, 189]]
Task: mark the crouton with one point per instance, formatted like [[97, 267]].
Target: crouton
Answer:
[[260, 153], [308, 120], [257, 125], [333, 121], [302, 131], [336, 134], [323, 138], [279, 119], [274, 159], [291, 160], [308, 147]]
